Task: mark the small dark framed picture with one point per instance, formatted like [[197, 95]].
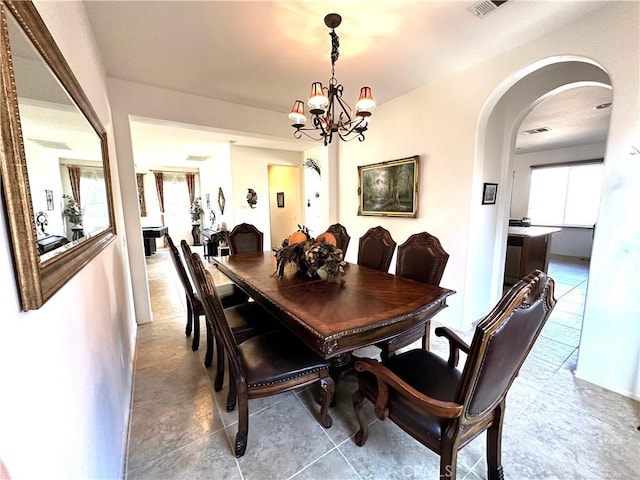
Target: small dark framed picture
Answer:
[[49, 194], [489, 193], [280, 199]]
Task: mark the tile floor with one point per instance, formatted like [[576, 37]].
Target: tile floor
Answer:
[[556, 427]]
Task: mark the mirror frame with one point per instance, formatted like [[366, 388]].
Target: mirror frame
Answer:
[[39, 281]]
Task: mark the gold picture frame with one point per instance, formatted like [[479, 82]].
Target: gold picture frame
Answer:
[[389, 189]]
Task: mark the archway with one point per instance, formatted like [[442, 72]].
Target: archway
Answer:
[[500, 119]]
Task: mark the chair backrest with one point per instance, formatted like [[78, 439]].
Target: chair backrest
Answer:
[[182, 273], [245, 238], [213, 309], [342, 237], [501, 343], [421, 258], [376, 249]]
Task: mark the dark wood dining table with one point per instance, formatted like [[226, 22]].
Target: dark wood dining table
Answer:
[[364, 307]]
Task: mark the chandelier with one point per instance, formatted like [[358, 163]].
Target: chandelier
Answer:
[[329, 112]]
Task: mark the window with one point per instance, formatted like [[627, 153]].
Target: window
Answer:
[[176, 204], [94, 199], [565, 194]]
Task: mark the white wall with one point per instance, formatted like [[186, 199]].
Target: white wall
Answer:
[[215, 174], [250, 169], [66, 368]]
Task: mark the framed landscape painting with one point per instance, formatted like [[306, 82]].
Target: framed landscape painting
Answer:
[[389, 188]]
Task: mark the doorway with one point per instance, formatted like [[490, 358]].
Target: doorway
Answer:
[[285, 202]]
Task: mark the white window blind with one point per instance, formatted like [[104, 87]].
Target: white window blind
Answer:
[[566, 194]]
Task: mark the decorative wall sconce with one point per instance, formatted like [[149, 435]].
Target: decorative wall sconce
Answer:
[[252, 197]]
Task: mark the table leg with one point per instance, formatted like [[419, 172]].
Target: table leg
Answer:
[[339, 367]]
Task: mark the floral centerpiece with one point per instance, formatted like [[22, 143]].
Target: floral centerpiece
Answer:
[[196, 210], [314, 257], [72, 210]]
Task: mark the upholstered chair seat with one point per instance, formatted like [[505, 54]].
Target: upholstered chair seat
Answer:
[[265, 365], [441, 384]]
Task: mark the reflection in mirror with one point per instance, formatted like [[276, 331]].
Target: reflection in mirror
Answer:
[[63, 153], [53, 159]]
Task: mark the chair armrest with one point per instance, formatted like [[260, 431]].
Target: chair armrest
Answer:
[[455, 344], [385, 377]]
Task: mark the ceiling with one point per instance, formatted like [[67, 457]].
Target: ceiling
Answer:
[[266, 54]]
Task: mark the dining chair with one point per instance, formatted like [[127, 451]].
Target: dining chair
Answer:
[[264, 365], [245, 238], [229, 294], [246, 320], [444, 408], [421, 258], [342, 237], [376, 249]]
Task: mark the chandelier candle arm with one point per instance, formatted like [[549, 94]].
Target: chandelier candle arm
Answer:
[[326, 118]]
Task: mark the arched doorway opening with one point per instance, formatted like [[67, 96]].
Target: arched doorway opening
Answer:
[[498, 126]]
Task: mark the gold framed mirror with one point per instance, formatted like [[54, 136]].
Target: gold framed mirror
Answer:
[[54, 161]]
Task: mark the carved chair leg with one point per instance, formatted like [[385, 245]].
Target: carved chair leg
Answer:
[[384, 353], [494, 446], [208, 358], [243, 424], [220, 358], [232, 395], [196, 331], [328, 389], [189, 326], [448, 461], [363, 433], [427, 336]]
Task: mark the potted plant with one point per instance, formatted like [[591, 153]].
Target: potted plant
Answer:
[[196, 211], [73, 211]]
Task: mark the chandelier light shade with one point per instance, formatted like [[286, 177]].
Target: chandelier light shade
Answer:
[[329, 112]]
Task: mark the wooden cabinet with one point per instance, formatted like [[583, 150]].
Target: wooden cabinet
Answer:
[[527, 250]]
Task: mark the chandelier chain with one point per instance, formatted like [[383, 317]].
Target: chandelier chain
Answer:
[[335, 53]]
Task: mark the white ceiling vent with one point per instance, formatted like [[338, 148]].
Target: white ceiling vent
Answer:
[[51, 144], [197, 158], [533, 131], [484, 8]]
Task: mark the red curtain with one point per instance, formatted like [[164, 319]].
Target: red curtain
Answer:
[[141, 201], [74, 179], [191, 182], [160, 190]]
